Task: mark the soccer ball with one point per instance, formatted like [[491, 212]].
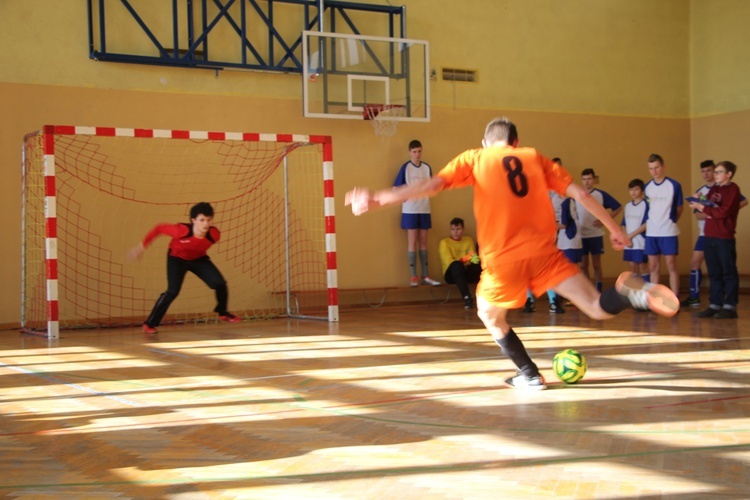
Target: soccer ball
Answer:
[[569, 366]]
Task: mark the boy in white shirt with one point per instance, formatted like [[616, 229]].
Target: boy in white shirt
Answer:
[[415, 214], [634, 221], [664, 196]]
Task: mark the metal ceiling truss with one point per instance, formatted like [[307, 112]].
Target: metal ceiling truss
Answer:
[[189, 44]]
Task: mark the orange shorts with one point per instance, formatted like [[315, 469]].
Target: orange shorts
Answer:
[[506, 286]]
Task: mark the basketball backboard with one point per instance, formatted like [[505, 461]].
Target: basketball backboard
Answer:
[[343, 73]]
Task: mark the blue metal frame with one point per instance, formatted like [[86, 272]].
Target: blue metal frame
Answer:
[[196, 53]]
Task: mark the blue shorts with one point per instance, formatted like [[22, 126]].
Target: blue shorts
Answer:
[[661, 245], [699, 243], [416, 221], [574, 255], [593, 246], [637, 256]]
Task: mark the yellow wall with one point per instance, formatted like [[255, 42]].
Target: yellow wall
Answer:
[[720, 50], [614, 57], [724, 137], [580, 56], [720, 97], [599, 83]]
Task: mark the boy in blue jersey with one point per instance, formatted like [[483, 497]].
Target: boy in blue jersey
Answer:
[[555, 303], [634, 218], [415, 214], [696, 274], [568, 235], [664, 196], [592, 230]]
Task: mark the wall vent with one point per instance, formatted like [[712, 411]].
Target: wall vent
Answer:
[[460, 75]]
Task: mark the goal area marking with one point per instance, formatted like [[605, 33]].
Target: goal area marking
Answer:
[[92, 193]]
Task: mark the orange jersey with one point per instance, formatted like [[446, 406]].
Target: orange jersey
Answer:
[[514, 215]]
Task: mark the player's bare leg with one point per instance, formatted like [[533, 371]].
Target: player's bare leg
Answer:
[[697, 259], [596, 263], [654, 267], [579, 290], [585, 265], [422, 238], [696, 274], [642, 270], [493, 318], [674, 274], [411, 239], [411, 245]]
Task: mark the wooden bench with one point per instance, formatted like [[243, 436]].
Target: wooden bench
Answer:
[[376, 296], [442, 298]]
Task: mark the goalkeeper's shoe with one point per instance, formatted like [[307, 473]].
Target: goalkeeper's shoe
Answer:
[[229, 318]]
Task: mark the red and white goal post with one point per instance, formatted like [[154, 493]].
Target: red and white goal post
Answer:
[[92, 193]]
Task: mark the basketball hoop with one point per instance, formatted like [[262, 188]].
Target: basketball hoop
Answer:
[[384, 117]]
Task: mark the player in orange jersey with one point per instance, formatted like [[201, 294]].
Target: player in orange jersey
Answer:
[[515, 231]]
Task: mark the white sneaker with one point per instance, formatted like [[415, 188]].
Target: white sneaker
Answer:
[[525, 383], [429, 281], [643, 295]]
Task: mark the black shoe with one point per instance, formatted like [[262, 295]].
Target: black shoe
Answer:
[[555, 307], [529, 307], [468, 303], [691, 302], [726, 314], [710, 312]]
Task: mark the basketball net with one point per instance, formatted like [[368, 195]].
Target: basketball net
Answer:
[[384, 118]]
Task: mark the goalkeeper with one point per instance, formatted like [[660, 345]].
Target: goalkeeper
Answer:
[[458, 254], [187, 252]]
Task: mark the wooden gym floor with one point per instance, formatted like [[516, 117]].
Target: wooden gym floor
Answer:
[[402, 402]]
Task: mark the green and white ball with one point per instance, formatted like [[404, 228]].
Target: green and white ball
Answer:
[[569, 366]]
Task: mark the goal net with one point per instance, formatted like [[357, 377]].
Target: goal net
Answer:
[[90, 194]]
